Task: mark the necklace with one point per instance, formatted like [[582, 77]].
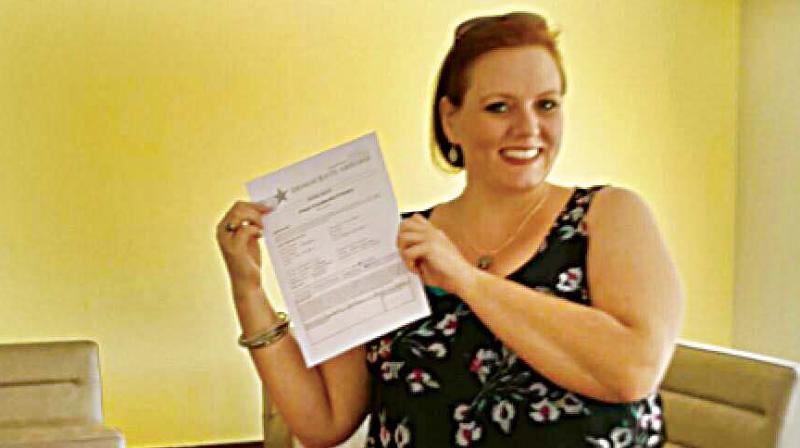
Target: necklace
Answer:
[[486, 259]]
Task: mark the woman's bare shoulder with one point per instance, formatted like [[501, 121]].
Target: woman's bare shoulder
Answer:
[[616, 206]]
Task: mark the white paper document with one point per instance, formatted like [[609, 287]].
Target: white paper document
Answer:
[[331, 239]]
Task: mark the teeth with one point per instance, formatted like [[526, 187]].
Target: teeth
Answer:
[[521, 154]]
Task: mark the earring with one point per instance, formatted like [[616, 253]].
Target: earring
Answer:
[[454, 154]]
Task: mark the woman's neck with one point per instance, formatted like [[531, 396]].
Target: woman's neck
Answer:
[[502, 208]]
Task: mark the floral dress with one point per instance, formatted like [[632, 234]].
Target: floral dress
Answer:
[[446, 380]]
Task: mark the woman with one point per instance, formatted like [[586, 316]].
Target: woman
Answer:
[[555, 310]]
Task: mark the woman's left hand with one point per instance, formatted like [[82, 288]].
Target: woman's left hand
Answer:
[[429, 252]]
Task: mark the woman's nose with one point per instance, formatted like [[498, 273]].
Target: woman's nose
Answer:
[[528, 123]]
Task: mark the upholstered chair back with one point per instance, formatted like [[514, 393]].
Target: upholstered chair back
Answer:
[[716, 397], [49, 383]]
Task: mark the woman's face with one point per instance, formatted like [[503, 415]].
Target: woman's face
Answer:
[[509, 124]]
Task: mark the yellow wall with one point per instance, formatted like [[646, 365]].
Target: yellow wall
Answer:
[[129, 126], [767, 311]]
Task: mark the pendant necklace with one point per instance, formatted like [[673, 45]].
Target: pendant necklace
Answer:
[[486, 258]]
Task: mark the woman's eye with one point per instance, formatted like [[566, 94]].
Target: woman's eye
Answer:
[[547, 105], [497, 107]]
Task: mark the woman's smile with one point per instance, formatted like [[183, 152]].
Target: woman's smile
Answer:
[[525, 155]]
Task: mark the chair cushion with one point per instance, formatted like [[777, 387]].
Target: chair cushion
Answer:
[[49, 382], [721, 397], [61, 436]]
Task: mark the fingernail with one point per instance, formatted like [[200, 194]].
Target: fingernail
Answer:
[[269, 203]]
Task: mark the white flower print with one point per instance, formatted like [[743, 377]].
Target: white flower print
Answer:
[[480, 364], [402, 435], [461, 411], [576, 213], [539, 389], [385, 348], [438, 350], [544, 412], [650, 423], [390, 370], [652, 402], [508, 356], [568, 281], [652, 420], [418, 379], [448, 325], [386, 436], [503, 413], [621, 437], [468, 433], [570, 404], [381, 350], [566, 232], [654, 440]]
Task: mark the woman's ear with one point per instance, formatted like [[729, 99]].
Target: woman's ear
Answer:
[[447, 112]]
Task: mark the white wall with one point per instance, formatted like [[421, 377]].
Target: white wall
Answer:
[[767, 266]]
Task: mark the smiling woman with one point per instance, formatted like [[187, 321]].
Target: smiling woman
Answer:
[[553, 265], [554, 309]]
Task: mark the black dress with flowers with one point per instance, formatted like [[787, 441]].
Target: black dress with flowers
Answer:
[[446, 380]]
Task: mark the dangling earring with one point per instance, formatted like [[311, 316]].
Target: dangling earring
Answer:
[[454, 154]]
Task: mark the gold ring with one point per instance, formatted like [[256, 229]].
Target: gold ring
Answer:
[[231, 227]]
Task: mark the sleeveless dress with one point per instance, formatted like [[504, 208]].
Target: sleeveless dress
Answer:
[[446, 380]]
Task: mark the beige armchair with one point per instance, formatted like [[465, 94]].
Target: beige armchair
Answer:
[[50, 396], [717, 397]]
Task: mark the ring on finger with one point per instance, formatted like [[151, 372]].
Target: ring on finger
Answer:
[[232, 227]]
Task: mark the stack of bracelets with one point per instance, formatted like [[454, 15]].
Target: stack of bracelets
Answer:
[[269, 336]]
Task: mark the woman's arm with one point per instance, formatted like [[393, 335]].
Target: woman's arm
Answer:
[[322, 405], [616, 350]]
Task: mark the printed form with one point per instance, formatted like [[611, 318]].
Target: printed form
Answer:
[[331, 239]]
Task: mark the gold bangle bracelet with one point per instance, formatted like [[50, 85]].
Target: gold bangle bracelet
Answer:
[[268, 336]]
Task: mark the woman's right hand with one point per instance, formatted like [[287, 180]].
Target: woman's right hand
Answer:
[[238, 233]]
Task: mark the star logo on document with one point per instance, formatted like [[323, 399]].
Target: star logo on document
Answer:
[[280, 196], [275, 201]]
